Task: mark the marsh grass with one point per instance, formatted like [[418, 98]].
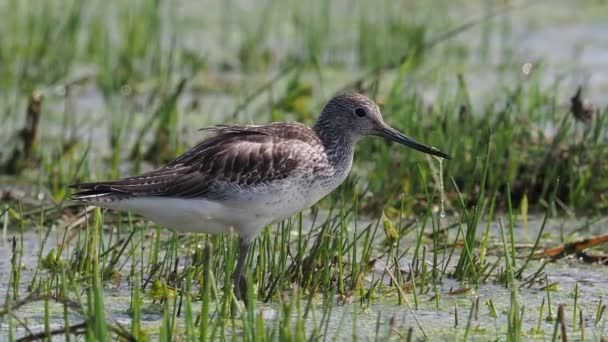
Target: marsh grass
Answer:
[[378, 239], [191, 269]]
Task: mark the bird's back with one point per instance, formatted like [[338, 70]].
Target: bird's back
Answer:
[[242, 173], [236, 158]]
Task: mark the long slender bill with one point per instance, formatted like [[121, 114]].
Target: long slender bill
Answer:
[[396, 136]]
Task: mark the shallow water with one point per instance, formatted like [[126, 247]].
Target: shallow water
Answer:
[[350, 317], [569, 39]]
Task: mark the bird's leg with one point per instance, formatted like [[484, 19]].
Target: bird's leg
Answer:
[[239, 279]]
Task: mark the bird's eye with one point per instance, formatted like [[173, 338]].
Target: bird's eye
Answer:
[[360, 112]]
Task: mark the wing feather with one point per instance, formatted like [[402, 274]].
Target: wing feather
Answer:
[[236, 157]]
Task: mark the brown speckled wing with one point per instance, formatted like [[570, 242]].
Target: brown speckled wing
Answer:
[[235, 158]]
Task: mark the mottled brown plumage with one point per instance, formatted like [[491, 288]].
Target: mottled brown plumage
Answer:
[[235, 157]]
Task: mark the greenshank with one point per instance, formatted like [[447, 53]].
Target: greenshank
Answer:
[[244, 177]]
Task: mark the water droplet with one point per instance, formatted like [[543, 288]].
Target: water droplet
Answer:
[[441, 188]]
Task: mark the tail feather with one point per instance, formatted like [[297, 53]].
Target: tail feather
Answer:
[[96, 193]]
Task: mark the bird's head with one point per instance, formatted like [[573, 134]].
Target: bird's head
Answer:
[[357, 116]]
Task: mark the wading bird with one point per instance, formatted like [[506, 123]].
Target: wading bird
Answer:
[[244, 178]]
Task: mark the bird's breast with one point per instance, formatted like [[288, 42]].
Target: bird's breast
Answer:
[[326, 177]]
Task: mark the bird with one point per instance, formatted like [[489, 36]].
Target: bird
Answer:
[[242, 178]]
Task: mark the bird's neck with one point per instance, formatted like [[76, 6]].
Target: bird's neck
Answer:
[[339, 146]]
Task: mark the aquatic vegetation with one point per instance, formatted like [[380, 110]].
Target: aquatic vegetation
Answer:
[[94, 90]]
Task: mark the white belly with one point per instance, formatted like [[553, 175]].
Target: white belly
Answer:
[[245, 213], [187, 215]]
